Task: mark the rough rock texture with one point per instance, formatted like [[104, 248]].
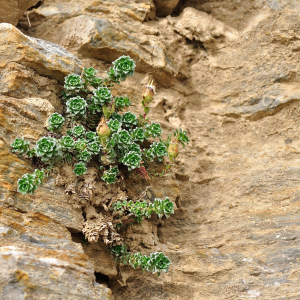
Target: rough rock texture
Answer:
[[39, 261], [27, 98], [106, 36], [235, 234], [45, 58], [11, 11], [199, 26], [165, 7]]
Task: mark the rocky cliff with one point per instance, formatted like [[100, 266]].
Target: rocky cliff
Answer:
[[227, 72]]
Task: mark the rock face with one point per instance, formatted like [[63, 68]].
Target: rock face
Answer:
[[39, 260], [106, 35], [165, 7], [228, 73], [199, 26], [24, 62], [43, 57], [11, 11]]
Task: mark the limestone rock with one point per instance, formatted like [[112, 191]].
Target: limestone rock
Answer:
[[11, 11], [39, 261], [107, 39], [237, 14], [19, 81], [103, 260], [235, 233], [129, 10], [44, 57], [165, 7], [26, 118], [259, 87], [199, 26], [28, 98]]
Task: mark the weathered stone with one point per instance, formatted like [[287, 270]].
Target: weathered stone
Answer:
[[258, 86], [165, 7], [235, 13], [199, 26], [136, 9], [133, 10], [235, 233], [44, 57], [26, 118], [11, 11], [102, 259], [107, 40], [39, 261], [19, 81]]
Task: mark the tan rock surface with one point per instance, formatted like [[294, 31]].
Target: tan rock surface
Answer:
[[135, 9], [43, 57], [199, 26], [165, 7], [39, 261], [11, 11], [26, 118], [235, 234], [106, 36], [28, 98]]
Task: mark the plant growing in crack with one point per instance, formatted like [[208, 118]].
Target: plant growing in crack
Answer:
[[99, 141]]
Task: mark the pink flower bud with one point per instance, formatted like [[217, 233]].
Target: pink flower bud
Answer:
[[102, 129], [148, 93], [173, 150]]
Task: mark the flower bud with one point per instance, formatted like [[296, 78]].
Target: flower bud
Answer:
[[108, 110], [148, 93], [173, 150], [103, 130]]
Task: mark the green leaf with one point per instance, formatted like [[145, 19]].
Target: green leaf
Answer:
[[67, 143], [129, 119], [81, 144], [76, 106], [153, 130], [123, 67], [78, 131], [85, 156], [80, 168], [20, 145], [91, 136], [94, 147], [48, 149], [138, 134], [114, 125], [110, 176], [73, 82], [156, 262], [56, 122], [132, 160], [122, 102]]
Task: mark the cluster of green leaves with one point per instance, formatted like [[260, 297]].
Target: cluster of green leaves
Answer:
[[122, 68], [29, 183], [110, 176], [156, 262], [84, 108], [119, 139], [142, 209], [56, 122], [22, 147]]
